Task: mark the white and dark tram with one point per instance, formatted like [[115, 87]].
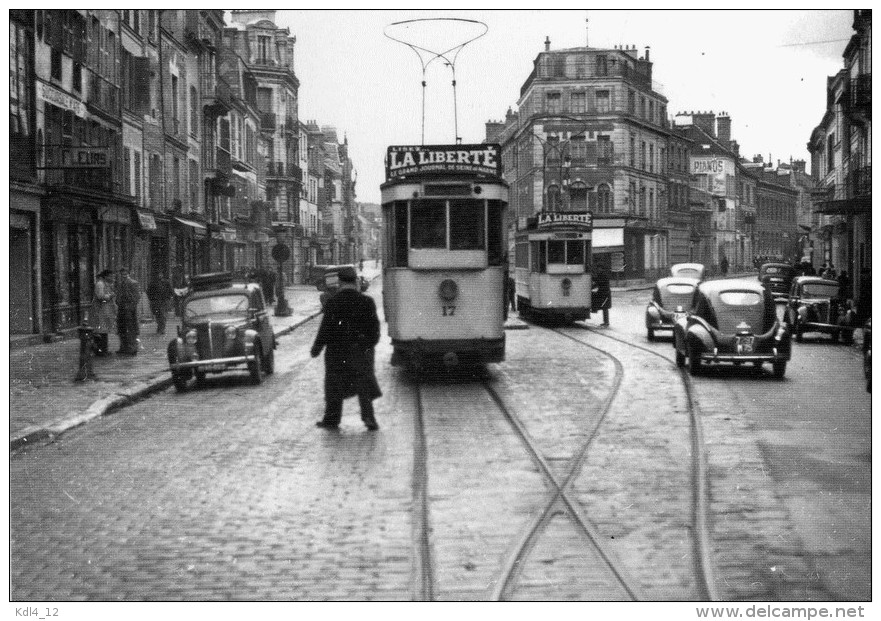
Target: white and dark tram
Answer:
[[552, 266], [444, 263]]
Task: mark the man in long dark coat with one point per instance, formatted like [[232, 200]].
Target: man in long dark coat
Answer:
[[601, 294], [350, 330], [128, 295]]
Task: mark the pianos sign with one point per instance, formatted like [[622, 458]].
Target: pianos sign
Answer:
[[482, 159]]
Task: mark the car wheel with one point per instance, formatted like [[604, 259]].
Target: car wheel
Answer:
[[269, 362], [651, 334], [797, 330], [255, 367], [779, 369], [847, 337], [200, 378], [694, 359]]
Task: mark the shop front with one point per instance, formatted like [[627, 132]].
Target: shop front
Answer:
[[24, 298]]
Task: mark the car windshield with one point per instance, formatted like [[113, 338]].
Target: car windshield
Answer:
[[232, 304], [819, 290], [688, 272], [740, 298]]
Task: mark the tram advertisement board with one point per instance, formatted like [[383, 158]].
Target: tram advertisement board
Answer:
[[483, 159], [552, 219]]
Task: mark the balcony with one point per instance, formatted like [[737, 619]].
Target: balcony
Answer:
[[267, 121], [283, 171], [222, 161], [216, 95], [853, 197], [858, 99]]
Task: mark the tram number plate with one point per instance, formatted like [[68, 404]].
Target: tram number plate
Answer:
[[448, 310], [745, 344]]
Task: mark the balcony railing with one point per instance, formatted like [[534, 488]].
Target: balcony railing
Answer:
[[267, 121], [283, 170], [860, 97], [859, 182], [853, 196]]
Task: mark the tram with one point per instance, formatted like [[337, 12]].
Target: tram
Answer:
[[552, 265], [444, 264]]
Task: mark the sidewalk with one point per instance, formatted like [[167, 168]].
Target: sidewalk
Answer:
[[44, 401]]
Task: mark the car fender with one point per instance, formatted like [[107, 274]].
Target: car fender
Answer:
[[652, 314], [249, 337], [802, 311], [700, 332]]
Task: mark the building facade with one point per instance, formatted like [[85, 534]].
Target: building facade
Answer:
[[841, 164]]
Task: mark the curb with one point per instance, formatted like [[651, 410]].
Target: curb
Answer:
[[32, 435]]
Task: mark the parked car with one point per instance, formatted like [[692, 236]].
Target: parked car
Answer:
[[224, 325], [777, 277], [688, 270], [670, 299], [815, 306], [731, 321], [329, 284], [867, 354]]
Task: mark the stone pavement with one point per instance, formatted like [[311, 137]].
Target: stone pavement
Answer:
[[45, 401]]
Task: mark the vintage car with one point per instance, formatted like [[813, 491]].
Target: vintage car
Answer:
[[329, 282], [777, 277], [688, 270], [867, 354], [815, 306], [670, 299], [224, 325], [731, 321]]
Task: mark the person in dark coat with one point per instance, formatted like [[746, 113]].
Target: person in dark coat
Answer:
[[129, 293], [723, 265], [601, 294], [159, 292], [350, 331]]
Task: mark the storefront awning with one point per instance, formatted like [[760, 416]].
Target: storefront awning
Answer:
[[199, 228], [147, 221], [608, 240]]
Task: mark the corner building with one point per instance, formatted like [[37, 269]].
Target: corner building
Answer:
[[591, 133]]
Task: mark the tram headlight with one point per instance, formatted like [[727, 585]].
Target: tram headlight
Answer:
[[448, 290]]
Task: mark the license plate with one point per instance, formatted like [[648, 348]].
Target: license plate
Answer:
[[745, 344]]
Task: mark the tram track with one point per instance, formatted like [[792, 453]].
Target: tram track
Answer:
[[700, 485]]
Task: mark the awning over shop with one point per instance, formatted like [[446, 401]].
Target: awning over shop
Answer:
[[229, 235], [198, 228], [147, 221], [608, 240]]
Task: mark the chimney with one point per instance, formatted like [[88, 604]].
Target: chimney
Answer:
[[647, 48], [547, 44], [706, 121], [493, 129], [509, 115], [757, 159], [798, 166], [723, 129]]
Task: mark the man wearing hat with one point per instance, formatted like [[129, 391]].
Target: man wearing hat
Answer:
[[127, 314], [350, 330]]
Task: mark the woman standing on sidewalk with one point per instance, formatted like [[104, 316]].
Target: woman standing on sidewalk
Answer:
[[103, 311]]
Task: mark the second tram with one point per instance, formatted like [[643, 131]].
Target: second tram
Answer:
[[444, 264], [553, 266]]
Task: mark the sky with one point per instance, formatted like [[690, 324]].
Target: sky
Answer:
[[766, 69]]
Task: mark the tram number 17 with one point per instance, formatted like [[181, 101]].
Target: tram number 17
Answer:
[[448, 310]]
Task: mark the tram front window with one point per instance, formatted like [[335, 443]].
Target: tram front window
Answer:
[[467, 225], [556, 251], [574, 252], [428, 224]]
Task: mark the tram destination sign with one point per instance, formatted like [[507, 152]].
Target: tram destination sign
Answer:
[[575, 219], [482, 159]]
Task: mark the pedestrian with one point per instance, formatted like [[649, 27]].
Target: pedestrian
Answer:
[[601, 294], [723, 265], [361, 265], [512, 293], [159, 292], [129, 294], [267, 281], [350, 331], [103, 313], [844, 285]]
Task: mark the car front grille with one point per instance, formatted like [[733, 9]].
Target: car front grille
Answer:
[[210, 340]]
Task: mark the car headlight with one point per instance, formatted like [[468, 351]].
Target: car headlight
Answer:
[[190, 338], [230, 332]]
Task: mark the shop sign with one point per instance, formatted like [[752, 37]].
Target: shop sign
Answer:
[[483, 159], [61, 99], [578, 219]]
